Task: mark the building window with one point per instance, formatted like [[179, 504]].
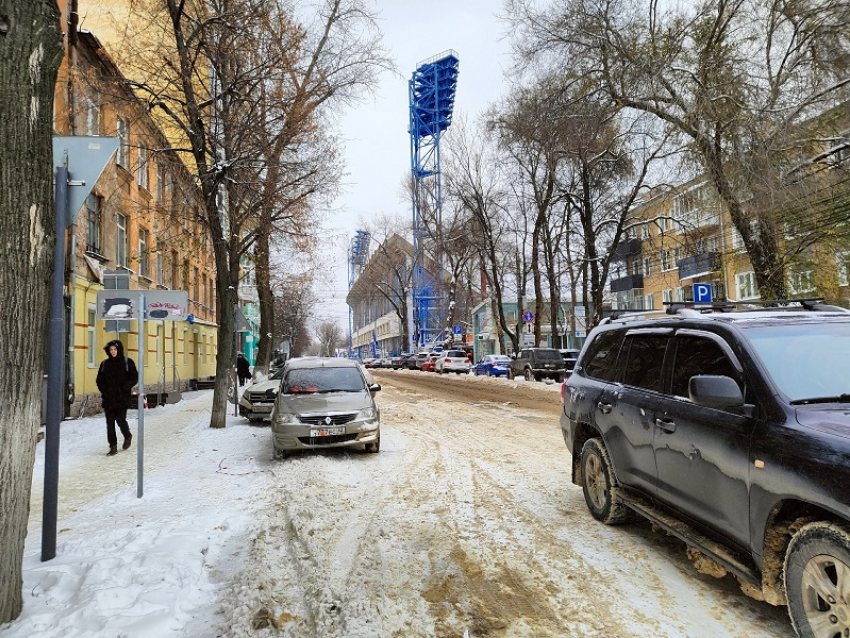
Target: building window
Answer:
[[94, 218], [91, 336], [649, 301], [667, 260], [143, 166], [195, 285], [121, 241], [667, 295], [143, 252], [123, 132], [800, 280], [92, 116], [681, 293], [647, 266], [159, 265], [843, 261], [175, 274], [746, 286], [160, 182]]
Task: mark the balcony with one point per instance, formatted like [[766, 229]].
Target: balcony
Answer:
[[698, 265], [629, 282], [627, 248]]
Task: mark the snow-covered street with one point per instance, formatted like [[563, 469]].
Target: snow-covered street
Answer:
[[466, 522]]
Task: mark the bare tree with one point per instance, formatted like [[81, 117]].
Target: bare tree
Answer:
[[735, 79], [205, 71], [329, 337], [30, 53], [474, 179]]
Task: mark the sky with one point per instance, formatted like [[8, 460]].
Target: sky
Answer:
[[377, 144]]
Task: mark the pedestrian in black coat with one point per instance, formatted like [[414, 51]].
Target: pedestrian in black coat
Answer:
[[243, 370], [115, 379]]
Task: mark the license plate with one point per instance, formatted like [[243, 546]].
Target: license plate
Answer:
[[328, 431], [262, 408]]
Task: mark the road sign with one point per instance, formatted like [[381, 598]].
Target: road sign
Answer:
[[579, 334], [528, 316], [171, 305], [578, 311], [457, 330], [86, 157], [702, 293]]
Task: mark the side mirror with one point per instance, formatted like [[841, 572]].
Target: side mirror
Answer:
[[715, 391], [374, 387]]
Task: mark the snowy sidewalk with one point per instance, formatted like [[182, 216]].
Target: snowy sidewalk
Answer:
[[144, 567]]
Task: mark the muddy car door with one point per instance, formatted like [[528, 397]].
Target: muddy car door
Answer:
[[702, 453], [628, 406]]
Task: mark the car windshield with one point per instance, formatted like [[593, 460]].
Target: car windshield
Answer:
[[808, 361], [501, 359], [323, 380], [277, 376]]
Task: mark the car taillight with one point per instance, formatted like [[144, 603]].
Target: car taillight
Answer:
[[467, 361], [448, 360]]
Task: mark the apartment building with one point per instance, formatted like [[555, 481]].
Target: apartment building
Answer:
[[140, 228], [682, 236]]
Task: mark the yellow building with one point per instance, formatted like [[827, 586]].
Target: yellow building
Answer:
[[681, 236], [139, 228]]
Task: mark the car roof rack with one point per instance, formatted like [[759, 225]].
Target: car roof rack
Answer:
[[812, 304]]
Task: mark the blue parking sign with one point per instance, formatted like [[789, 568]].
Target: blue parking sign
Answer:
[[457, 330], [702, 293]]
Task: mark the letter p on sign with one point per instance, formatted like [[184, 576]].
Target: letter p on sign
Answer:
[[702, 293]]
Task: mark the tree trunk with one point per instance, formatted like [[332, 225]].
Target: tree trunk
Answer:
[[264, 292], [30, 54]]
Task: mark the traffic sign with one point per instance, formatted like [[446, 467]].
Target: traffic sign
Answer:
[[159, 304], [702, 293], [457, 330], [528, 316], [85, 156]]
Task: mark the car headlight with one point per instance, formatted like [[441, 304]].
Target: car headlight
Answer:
[[366, 414], [286, 418]]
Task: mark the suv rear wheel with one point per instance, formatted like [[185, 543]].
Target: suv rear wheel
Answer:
[[598, 483], [817, 579], [528, 375]]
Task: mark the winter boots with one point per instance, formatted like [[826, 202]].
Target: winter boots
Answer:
[[113, 450], [127, 440]]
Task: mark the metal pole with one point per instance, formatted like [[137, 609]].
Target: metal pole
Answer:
[[140, 448], [55, 372]]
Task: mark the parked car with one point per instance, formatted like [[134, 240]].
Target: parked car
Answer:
[[322, 403], [492, 365], [414, 361], [428, 363], [731, 431], [536, 364], [398, 361], [452, 361], [257, 400], [570, 356]]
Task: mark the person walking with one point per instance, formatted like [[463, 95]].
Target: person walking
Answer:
[[243, 371], [115, 379]]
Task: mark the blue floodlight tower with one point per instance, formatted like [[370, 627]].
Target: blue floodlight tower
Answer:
[[432, 98], [358, 255]]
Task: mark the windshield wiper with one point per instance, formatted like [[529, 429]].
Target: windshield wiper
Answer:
[[841, 398]]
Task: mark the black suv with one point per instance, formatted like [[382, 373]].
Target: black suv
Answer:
[[537, 364], [730, 430]]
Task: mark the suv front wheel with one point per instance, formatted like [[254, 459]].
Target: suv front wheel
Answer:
[[598, 484], [817, 579]]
